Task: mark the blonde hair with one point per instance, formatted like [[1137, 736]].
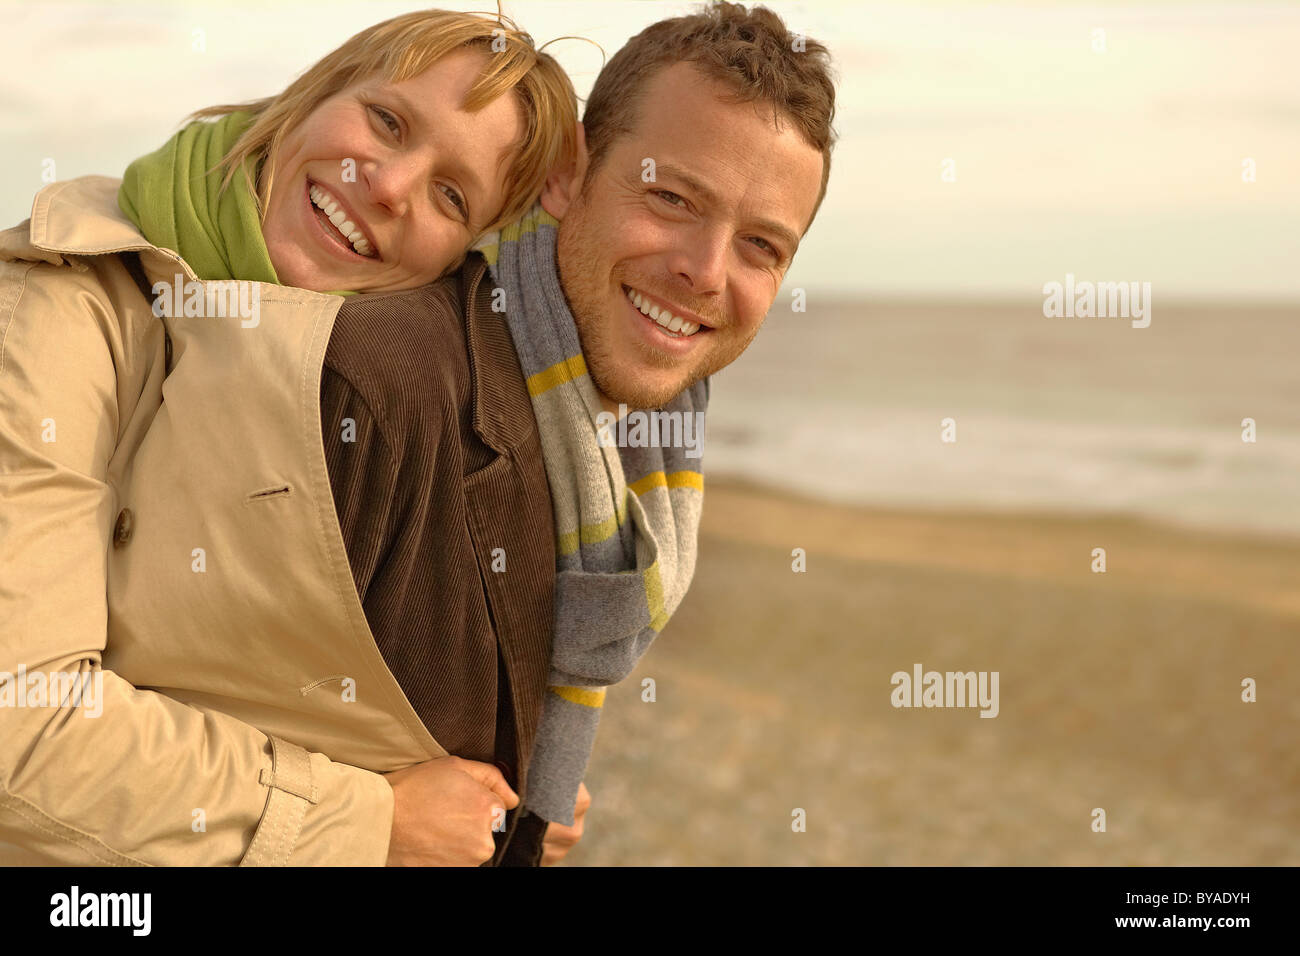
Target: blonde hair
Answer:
[[402, 48]]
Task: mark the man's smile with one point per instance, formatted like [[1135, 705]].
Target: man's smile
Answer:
[[671, 321], [657, 333]]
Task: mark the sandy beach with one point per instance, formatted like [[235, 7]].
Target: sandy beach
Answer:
[[1119, 691]]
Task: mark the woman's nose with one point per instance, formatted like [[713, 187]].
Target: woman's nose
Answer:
[[392, 184]]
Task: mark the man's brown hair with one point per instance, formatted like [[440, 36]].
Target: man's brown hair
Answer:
[[748, 49]]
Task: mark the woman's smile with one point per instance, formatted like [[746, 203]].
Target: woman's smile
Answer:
[[341, 228]]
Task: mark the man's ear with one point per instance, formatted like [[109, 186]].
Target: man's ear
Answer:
[[565, 182]]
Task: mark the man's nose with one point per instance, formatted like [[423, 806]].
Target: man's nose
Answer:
[[700, 260]]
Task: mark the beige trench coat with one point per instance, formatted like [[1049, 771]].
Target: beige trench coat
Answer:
[[175, 541]]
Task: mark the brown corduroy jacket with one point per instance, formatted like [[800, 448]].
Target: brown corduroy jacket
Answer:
[[436, 469]]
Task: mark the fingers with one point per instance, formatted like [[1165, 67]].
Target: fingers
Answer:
[[505, 793], [563, 837], [559, 840], [445, 812], [492, 778]]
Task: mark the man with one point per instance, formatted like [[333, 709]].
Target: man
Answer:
[[706, 156]]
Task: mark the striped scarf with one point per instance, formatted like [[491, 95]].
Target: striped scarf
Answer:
[[626, 516]]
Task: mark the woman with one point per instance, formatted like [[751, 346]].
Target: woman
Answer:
[[179, 564]]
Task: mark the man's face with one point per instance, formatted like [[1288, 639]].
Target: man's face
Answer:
[[709, 239]]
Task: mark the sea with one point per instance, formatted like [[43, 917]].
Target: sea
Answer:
[[851, 401]]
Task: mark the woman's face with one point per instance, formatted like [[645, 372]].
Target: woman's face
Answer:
[[410, 176]]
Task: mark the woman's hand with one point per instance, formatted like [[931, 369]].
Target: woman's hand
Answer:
[[444, 810], [559, 839]]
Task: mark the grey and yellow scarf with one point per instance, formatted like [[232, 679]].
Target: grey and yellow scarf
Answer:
[[626, 518]]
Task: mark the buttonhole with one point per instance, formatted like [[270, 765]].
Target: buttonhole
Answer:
[[307, 689], [277, 491]]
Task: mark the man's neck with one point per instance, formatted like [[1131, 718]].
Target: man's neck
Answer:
[[608, 404]]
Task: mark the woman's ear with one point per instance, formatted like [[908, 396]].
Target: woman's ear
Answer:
[[565, 182]]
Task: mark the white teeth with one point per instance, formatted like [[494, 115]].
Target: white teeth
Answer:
[[335, 214], [672, 323]]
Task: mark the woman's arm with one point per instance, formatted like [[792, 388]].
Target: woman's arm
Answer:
[[129, 776]]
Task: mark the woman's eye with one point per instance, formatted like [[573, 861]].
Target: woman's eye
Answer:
[[454, 197], [387, 118]]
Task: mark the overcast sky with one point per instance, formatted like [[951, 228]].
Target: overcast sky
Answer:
[[1116, 165]]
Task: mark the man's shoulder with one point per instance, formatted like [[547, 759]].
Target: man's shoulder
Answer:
[[420, 313], [404, 353], [425, 320]]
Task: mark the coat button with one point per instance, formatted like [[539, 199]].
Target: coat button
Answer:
[[122, 530]]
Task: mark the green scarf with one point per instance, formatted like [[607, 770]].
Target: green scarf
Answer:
[[173, 199]]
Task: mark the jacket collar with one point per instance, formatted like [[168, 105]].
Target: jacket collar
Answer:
[[80, 217], [503, 412]]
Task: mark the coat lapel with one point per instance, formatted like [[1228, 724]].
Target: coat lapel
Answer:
[[509, 507]]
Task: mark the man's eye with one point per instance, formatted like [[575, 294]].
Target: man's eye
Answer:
[[387, 119], [764, 245], [668, 197]]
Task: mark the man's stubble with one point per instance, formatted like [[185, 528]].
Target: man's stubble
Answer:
[[584, 288]]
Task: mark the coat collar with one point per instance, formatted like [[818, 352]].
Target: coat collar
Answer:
[[80, 217], [503, 412]]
